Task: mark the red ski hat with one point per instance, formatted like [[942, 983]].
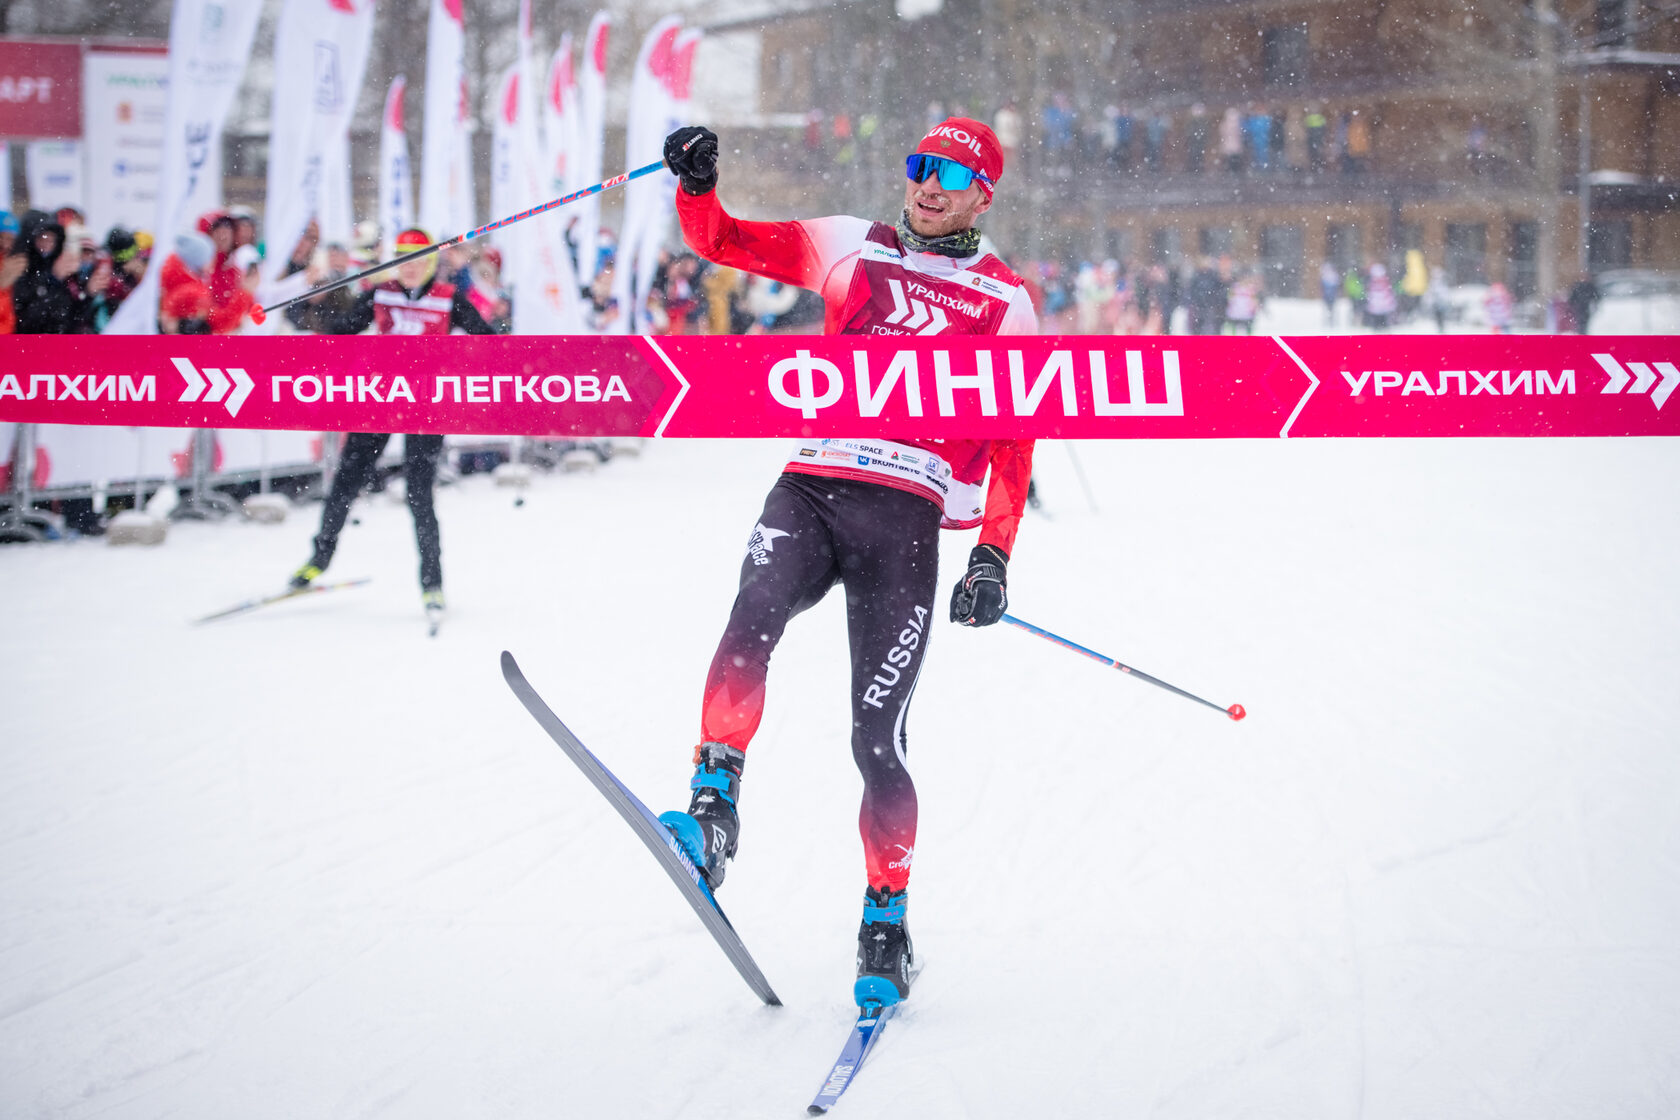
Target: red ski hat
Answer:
[[970, 143], [416, 238]]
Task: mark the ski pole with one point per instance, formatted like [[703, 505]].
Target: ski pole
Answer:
[[258, 314], [1235, 711]]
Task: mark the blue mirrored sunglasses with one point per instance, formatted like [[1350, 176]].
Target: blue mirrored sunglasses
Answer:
[[953, 176]]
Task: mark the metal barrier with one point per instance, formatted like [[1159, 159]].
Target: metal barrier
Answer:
[[22, 521], [203, 495], [202, 488]]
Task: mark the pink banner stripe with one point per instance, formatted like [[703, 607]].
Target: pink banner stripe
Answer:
[[1067, 387]]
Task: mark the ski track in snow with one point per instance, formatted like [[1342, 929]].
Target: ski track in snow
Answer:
[[308, 862]]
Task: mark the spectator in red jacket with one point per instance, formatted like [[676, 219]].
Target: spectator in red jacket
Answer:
[[185, 304], [11, 267]]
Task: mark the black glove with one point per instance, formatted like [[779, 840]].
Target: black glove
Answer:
[[692, 153], [979, 598]]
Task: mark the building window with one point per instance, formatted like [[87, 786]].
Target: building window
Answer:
[[1610, 23], [1466, 253], [1344, 246], [1524, 267], [1214, 241], [1119, 245], [1610, 244], [1283, 258], [1165, 247], [1284, 55]]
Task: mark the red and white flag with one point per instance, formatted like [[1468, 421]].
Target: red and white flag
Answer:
[[584, 166], [545, 288], [396, 177], [320, 55], [648, 201], [446, 187], [560, 121], [504, 162], [209, 44], [560, 143]]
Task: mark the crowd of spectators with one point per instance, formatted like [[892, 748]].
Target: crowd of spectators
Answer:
[[1220, 295], [1251, 138], [691, 295], [55, 279]]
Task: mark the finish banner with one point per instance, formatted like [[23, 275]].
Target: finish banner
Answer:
[[977, 387]]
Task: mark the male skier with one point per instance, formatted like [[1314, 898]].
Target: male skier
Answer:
[[863, 513]]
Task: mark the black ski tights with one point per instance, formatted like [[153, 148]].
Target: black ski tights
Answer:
[[356, 469]]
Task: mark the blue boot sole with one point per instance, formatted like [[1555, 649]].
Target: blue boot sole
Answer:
[[688, 833], [875, 989]]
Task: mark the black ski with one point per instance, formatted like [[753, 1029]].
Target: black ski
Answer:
[[658, 839]]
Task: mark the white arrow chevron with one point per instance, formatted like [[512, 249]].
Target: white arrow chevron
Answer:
[[1671, 376], [919, 314], [900, 308], [1647, 378], [241, 390], [940, 322], [195, 383], [218, 385]]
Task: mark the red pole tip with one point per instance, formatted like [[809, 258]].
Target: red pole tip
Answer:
[[1236, 711], [258, 316]]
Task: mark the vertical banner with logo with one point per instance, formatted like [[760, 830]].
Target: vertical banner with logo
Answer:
[[503, 173], [583, 167], [125, 99], [560, 144], [209, 44], [53, 171], [646, 200], [660, 216], [396, 178], [560, 120], [446, 189], [320, 54], [545, 286]]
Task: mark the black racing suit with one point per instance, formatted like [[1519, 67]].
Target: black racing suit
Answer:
[[420, 452], [882, 546]]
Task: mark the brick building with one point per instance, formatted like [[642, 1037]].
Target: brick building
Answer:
[[1360, 130]]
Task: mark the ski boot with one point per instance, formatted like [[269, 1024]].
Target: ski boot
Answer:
[[304, 576], [709, 829], [432, 601], [885, 960]]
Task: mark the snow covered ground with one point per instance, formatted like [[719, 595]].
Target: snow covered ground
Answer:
[[308, 863]]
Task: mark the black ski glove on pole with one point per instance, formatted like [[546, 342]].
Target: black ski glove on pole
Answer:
[[692, 153], [979, 598]]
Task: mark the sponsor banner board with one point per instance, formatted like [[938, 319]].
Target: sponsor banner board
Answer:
[[1063, 387]]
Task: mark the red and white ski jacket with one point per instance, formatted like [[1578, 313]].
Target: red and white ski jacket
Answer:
[[871, 284], [396, 310]]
